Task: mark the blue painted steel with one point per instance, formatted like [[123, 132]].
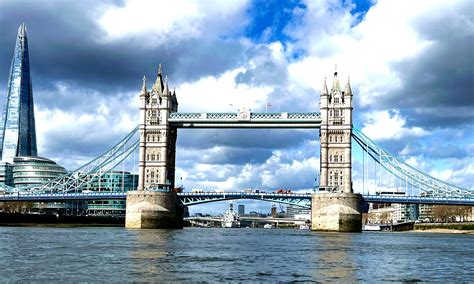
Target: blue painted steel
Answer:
[[188, 199], [427, 185], [248, 120], [301, 200], [47, 197], [419, 200]]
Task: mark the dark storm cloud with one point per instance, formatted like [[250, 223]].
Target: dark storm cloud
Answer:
[[267, 70], [252, 138], [226, 155], [66, 44], [440, 79]]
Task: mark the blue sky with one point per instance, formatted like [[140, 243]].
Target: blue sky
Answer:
[[411, 73]]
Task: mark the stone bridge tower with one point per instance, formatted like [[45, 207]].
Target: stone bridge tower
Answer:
[[157, 137], [337, 208], [335, 136], [153, 205]]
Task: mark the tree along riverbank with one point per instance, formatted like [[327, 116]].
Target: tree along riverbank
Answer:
[[462, 228], [28, 219]]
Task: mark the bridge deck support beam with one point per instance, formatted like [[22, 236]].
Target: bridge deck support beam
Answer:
[[337, 212], [153, 210]]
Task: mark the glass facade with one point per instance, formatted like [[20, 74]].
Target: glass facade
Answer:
[[34, 170], [6, 173], [116, 181], [17, 130]]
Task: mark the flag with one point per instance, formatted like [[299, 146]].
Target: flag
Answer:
[[269, 104]]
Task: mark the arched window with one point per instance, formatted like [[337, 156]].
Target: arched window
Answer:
[[147, 157], [152, 157], [340, 158], [330, 158]]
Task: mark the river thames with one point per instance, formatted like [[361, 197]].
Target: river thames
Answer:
[[91, 254]]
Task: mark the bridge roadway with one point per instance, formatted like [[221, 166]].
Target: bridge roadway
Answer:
[[190, 198]]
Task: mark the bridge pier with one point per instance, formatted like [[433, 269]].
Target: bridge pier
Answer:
[[153, 210], [338, 212]]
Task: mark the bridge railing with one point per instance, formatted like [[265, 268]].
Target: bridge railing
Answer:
[[253, 116]]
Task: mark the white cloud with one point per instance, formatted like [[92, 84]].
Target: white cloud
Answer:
[[171, 21], [383, 125], [220, 94]]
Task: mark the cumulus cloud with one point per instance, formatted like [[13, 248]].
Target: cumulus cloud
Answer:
[[169, 22], [389, 124]]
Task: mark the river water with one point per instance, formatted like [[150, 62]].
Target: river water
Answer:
[[87, 254]]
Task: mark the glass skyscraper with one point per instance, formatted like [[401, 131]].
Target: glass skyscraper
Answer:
[[17, 130]]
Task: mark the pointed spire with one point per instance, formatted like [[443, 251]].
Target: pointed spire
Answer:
[[158, 86], [166, 90], [335, 82], [348, 90], [324, 91], [143, 92]]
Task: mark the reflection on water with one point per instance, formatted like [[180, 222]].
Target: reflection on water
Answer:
[[335, 261], [223, 255]]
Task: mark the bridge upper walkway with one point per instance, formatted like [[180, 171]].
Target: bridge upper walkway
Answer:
[[246, 120]]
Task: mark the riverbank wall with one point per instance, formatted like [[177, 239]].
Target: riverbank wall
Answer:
[[464, 227], [27, 219]]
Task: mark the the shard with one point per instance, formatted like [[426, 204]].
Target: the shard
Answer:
[[17, 130]]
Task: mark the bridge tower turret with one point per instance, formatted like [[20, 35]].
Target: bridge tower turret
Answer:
[[335, 136], [157, 137], [153, 205], [338, 210]]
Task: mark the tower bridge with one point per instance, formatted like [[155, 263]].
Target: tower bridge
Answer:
[[154, 205]]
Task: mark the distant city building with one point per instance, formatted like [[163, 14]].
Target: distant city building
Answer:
[[117, 181], [6, 173], [405, 212], [291, 211], [28, 171], [17, 130], [241, 210]]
